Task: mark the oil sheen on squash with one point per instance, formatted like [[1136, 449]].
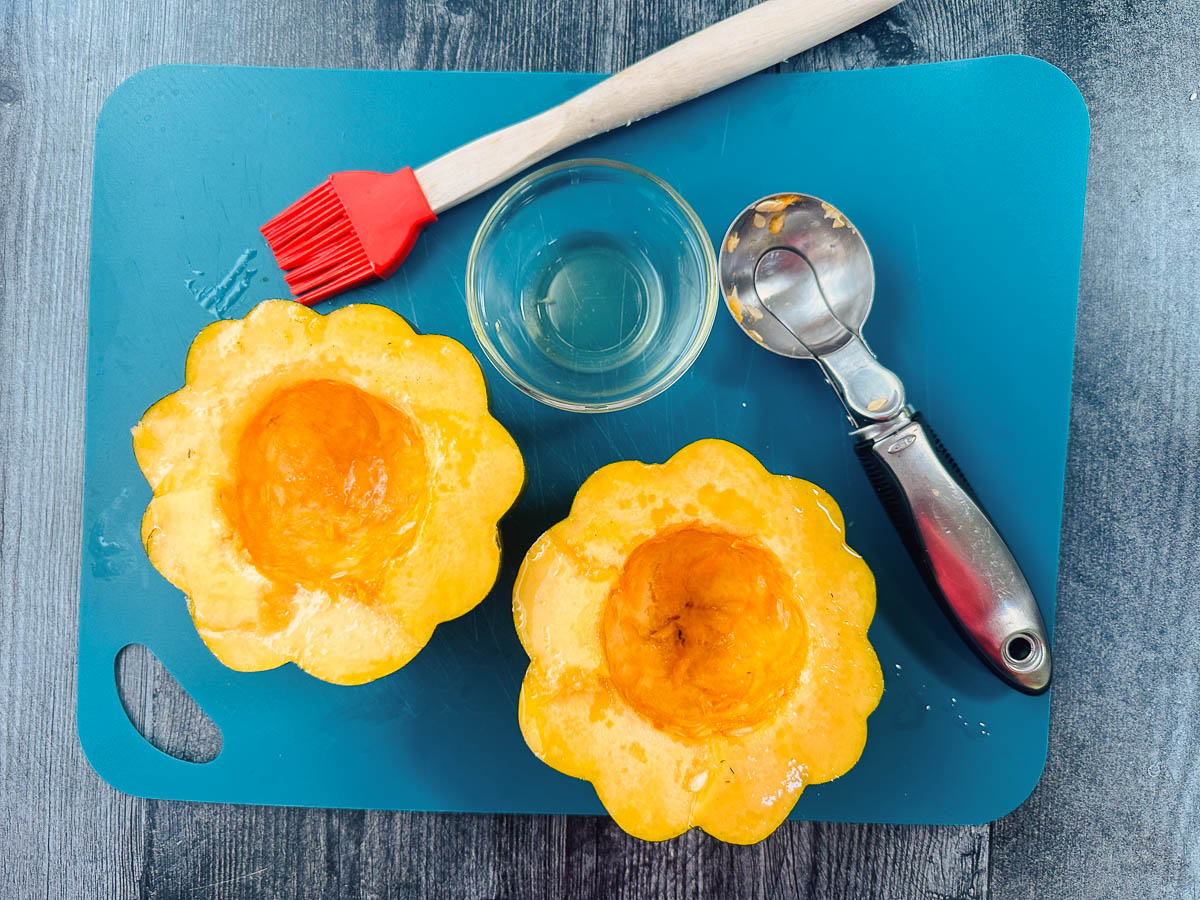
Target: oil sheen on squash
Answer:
[[697, 640], [326, 488], [330, 482], [700, 632]]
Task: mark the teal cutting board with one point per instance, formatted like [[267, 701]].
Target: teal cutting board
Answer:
[[967, 181]]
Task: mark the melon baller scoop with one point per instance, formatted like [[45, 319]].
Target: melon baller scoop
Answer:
[[799, 280]]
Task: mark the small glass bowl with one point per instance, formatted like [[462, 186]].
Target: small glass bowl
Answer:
[[591, 285]]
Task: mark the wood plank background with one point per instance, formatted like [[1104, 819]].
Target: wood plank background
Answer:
[[1117, 813]]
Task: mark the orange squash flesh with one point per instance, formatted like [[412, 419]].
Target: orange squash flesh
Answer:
[[700, 633], [326, 488], [697, 634], [330, 483]]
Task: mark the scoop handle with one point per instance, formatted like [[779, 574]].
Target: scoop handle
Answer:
[[962, 557], [731, 49]]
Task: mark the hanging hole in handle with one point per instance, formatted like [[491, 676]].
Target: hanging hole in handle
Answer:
[[1019, 648], [161, 710], [1023, 651]]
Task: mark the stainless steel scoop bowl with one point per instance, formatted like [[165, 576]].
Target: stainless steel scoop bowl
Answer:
[[798, 278]]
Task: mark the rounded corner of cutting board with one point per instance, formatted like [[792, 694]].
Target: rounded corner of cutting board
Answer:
[[1058, 85], [103, 762], [129, 90], [998, 805]]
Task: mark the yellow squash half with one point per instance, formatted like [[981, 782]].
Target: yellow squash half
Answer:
[[326, 488], [697, 633]]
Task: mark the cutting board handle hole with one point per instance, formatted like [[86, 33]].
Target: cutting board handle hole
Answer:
[[161, 710]]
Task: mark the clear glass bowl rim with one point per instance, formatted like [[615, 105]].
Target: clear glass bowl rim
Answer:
[[685, 359]]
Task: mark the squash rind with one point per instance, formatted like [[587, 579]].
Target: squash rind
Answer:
[[657, 784], [186, 446]]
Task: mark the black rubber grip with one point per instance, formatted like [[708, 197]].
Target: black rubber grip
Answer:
[[895, 502]]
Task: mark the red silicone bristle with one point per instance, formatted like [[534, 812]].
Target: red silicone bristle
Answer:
[[353, 226], [315, 243], [304, 246]]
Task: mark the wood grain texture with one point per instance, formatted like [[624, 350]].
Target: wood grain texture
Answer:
[[1117, 813], [52, 807], [713, 57], [161, 710], [1119, 808]]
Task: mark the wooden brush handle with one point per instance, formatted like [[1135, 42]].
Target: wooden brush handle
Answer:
[[720, 54]]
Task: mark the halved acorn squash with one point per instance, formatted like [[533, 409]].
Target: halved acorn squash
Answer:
[[326, 488], [697, 634]]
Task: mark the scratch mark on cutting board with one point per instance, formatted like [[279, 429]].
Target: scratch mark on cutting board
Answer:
[[108, 554], [218, 299]]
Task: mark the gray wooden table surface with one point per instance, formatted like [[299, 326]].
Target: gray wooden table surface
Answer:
[[1117, 813]]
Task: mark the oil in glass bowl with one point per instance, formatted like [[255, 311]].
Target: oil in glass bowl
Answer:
[[596, 304], [591, 285]]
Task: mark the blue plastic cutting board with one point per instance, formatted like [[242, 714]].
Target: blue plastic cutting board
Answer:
[[967, 181]]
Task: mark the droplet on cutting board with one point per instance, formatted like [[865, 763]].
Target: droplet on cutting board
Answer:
[[219, 299]]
